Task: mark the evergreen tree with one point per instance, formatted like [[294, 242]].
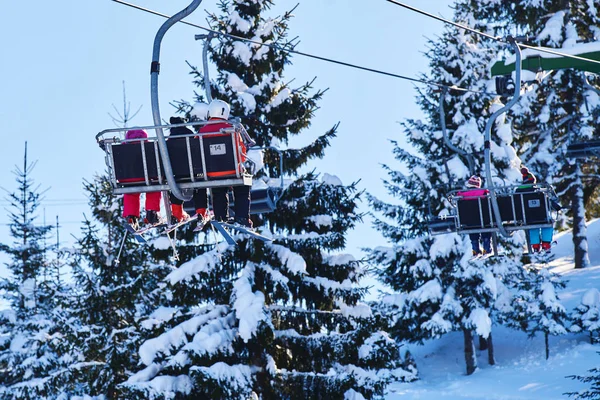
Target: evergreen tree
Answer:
[[440, 289], [594, 391], [33, 351], [586, 316], [537, 307], [114, 279], [282, 319]]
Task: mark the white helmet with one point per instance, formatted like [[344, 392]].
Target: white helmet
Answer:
[[218, 109], [200, 111]]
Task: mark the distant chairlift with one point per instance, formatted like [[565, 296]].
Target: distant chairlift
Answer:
[[503, 210], [518, 210]]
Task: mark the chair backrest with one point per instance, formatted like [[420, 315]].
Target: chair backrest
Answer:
[[134, 162], [128, 161], [536, 208], [222, 154], [181, 158], [474, 213]]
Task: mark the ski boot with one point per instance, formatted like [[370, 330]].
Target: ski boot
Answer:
[[133, 221], [153, 218], [178, 213], [546, 246]]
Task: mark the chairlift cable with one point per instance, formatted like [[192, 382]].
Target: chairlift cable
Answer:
[[445, 20], [498, 39], [300, 53]]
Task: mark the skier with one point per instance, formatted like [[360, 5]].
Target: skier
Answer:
[[200, 196], [131, 201], [474, 183], [219, 110], [529, 181]]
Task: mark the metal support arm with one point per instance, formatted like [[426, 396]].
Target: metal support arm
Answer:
[[154, 70], [488, 133]]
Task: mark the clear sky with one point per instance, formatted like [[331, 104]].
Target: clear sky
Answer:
[[63, 63]]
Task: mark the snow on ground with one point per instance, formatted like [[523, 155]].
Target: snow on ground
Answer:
[[521, 370]]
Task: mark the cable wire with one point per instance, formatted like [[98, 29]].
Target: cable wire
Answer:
[[445, 20], [499, 39], [287, 49]]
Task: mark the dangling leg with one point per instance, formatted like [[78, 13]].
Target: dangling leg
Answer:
[[534, 239], [153, 208], [242, 205], [177, 209], [131, 209], [475, 243], [486, 241], [220, 203], [201, 202], [547, 234]]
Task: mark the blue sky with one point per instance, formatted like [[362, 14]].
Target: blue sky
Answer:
[[64, 63]]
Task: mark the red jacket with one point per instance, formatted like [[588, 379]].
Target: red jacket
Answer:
[[214, 128]]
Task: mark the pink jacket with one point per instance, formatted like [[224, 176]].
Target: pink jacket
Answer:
[[474, 194]]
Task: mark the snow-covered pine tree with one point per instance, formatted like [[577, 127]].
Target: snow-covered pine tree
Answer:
[[33, 351], [586, 316], [557, 108], [278, 320], [439, 289], [114, 278], [537, 307], [594, 391]]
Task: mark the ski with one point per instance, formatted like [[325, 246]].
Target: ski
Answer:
[[171, 228], [219, 226], [139, 232], [150, 227], [481, 256], [248, 231], [201, 224], [135, 233]]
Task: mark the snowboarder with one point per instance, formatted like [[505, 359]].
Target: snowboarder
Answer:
[[131, 201], [200, 196], [529, 181], [474, 183], [219, 110]]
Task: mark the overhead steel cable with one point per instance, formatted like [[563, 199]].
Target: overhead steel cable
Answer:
[[287, 49], [468, 28], [499, 39]]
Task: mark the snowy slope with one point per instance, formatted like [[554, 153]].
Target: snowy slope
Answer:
[[521, 371]]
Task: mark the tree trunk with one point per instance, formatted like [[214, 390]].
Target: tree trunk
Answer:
[[582, 259], [547, 345], [483, 345], [470, 358], [491, 359]]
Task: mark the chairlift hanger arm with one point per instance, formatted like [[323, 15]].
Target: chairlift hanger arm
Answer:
[[488, 132], [154, 70]]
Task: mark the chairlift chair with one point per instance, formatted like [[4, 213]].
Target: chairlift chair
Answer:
[[197, 161], [523, 210]]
